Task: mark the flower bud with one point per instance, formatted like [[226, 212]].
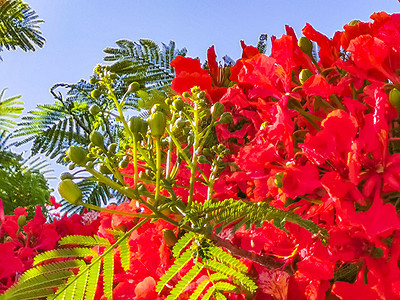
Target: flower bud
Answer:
[[169, 237], [217, 110], [77, 155], [21, 221], [226, 118], [394, 98], [186, 95], [66, 175], [95, 94], [203, 160], [305, 45], [354, 22], [157, 123], [133, 87], [178, 104], [97, 139], [93, 80], [135, 125], [124, 163], [304, 75], [112, 148], [94, 109], [70, 192]]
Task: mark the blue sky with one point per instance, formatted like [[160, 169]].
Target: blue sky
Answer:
[[78, 30]]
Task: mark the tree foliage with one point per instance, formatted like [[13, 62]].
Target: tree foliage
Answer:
[[19, 26]]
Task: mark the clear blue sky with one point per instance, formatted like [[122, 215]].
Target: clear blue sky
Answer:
[[78, 30]]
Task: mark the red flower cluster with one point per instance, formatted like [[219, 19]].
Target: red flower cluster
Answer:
[[22, 240], [323, 148]]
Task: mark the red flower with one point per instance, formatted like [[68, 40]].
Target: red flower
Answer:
[[189, 74]]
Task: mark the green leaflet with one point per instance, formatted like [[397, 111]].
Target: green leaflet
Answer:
[[227, 259], [174, 269], [236, 276], [10, 109], [84, 240], [108, 271], [220, 214], [91, 286], [125, 253], [178, 289], [182, 243], [60, 253]]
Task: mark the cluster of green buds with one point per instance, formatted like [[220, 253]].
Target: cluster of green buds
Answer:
[[178, 129]]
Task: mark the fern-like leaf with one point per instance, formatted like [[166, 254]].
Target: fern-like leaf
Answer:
[[174, 269], [227, 259], [199, 289], [94, 273], [108, 271], [185, 281], [64, 253], [125, 253], [236, 276], [84, 240], [182, 243], [220, 214]]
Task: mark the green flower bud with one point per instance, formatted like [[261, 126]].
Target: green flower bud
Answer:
[[178, 104], [21, 221], [71, 166], [66, 175], [95, 94], [217, 110], [394, 98], [94, 109], [186, 95], [135, 125], [354, 22], [168, 101], [157, 123], [203, 160], [304, 75], [376, 252], [201, 95], [104, 170], [133, 87], [112, 148], [169, 237], [124, 163], [226, 118], [207, 152], [70, 192], [195, 90], [93, 80], [305, 45], [77, 155], [97, 139]]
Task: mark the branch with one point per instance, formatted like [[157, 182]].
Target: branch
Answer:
[[59, 98], [265, 261]]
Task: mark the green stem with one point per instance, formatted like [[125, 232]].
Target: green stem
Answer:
[[158, 175], [118, 212], [195, 156], [179, 148], [135, 166], [126, 126]]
